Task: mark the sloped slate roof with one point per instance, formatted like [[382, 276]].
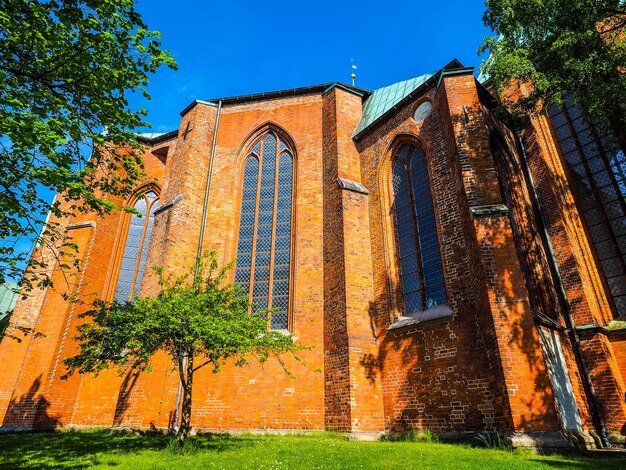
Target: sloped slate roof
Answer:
[[150, 135], [377, 104], [385, 98], [153, 138]]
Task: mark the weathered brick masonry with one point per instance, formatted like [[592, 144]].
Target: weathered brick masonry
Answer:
[[479, 362]]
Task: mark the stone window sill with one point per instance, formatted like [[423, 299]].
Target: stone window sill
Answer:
[[424, 317], [283, 331]]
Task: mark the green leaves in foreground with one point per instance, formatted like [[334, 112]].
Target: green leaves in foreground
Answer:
[[197, 320], [574, 47], [67, 69], [203, 317]]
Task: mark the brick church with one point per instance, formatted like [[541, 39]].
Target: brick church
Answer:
[[450, 274]]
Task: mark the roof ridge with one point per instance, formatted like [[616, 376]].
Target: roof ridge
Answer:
[[384, 99], [407, 80], [288, 91]]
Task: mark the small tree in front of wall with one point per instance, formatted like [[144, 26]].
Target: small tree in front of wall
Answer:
[[198, 320]]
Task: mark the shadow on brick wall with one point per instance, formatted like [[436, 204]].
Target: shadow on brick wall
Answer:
[[123, 397], [556, 194], [540, 280], [30, 410], [450, 376]]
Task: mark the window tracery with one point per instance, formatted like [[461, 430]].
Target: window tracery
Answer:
[[137, 241], [421, 271], [264, 244]]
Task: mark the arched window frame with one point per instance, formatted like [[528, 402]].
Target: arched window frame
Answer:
[[247, 151], [595, 168], [122, 237], [387, 173]]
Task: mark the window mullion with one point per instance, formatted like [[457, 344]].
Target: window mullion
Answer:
[[140, 249], [418, 251], [292, 244], [273, 239], [594, 188], [256, 224]]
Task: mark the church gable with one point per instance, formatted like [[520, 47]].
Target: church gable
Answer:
[[376, 225]]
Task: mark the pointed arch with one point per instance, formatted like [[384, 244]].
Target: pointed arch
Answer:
[[132, 243], [141, 190], [245, 148], [265, 236], [411, 230]]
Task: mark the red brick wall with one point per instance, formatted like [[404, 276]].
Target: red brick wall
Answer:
[[604, 369], [482, 369], [36, 394], [579, 272], [251, 397], [618, 342], [353, 388], [338, 412], [428, 377], [533, 252]]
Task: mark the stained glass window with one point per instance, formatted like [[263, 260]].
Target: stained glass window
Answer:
[[418, 247], [136, 246], [264, 244], [597, 168]]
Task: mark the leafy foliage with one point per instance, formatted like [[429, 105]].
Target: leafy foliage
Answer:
[[197, 320], [67, 69], [16, 332], [576, 47]]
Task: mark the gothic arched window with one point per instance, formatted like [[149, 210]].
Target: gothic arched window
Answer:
[[416, 234], [264, 246], [133, 262], [597, 167]]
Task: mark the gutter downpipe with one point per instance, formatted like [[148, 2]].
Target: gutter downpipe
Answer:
[[205, 207], [580, 360]]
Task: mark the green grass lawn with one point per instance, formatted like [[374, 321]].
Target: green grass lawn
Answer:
[[103, 449]]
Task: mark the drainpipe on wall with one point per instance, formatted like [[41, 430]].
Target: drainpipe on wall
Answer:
[[578, 354], [205, 207]]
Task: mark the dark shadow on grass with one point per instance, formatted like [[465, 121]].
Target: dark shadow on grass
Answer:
[[81, 449], [76, 449], [568, 464]]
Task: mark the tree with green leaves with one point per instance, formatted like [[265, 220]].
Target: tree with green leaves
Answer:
[[198, 319], [561, 48], [67, 69]]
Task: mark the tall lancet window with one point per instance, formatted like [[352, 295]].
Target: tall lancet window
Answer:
[[418, 248], [264, 245], [133, 262]]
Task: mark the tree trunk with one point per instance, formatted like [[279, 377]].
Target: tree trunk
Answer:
[[617, 122], [185, 424]]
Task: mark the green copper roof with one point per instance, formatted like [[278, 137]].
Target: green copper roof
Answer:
[[8, 297], [384, 99]]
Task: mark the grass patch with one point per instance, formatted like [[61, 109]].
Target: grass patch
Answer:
[[412, 436], [104, 449]]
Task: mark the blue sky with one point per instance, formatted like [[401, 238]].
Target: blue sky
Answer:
[[232, 48]]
